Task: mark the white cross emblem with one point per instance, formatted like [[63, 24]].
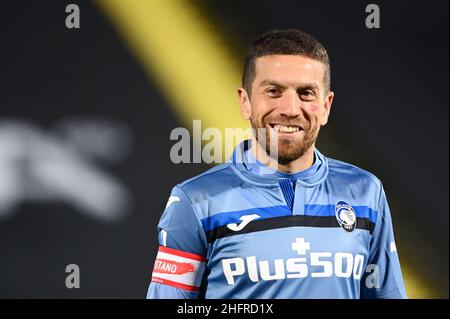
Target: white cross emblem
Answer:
[[300, 246]]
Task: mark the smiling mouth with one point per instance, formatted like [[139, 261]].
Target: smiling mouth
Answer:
[[280, 128]]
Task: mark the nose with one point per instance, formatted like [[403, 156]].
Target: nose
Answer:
[[290, 104]]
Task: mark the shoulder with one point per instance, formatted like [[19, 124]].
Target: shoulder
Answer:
[[352, 175], [348, 170], [216, 180]]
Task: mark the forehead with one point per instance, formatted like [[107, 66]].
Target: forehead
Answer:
[[288, 68]]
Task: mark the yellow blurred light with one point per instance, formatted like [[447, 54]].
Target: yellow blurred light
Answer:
[[193, 67]]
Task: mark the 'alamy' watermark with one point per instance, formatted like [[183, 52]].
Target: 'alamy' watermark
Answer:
[[73, 17], [373, 19], [211, 145], [73, 279], [373, 278]]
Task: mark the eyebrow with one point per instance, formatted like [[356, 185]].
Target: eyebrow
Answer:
[[311, 86]]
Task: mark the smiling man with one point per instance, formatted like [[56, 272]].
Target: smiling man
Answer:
[[280, 219]]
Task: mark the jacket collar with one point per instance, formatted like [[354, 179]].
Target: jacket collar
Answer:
[[238, 161]]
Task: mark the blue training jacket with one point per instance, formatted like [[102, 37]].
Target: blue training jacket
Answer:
[[241, 230]]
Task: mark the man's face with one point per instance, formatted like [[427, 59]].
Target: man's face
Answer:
[[288, 97]]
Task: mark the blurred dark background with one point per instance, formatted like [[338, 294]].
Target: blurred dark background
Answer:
[[85, 170]]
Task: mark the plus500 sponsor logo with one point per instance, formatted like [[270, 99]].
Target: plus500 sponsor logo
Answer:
[[324, 264]]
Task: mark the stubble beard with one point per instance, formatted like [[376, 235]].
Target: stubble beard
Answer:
[[284, 149]]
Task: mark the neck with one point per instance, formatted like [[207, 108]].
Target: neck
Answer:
[[300, 164]]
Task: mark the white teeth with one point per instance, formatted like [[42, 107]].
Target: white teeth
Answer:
[[285, 129]]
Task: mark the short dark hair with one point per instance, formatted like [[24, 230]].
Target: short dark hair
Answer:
[[289, 42]]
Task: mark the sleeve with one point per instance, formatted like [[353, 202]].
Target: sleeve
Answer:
[[383, 276], [180, 262]]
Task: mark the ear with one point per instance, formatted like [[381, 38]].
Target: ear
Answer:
[[327, 108], [244, 100]]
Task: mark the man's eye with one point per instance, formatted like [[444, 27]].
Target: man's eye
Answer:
[[273, 92], [308, 95]]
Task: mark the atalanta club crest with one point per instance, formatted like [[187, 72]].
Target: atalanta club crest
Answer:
[[345, 216]]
